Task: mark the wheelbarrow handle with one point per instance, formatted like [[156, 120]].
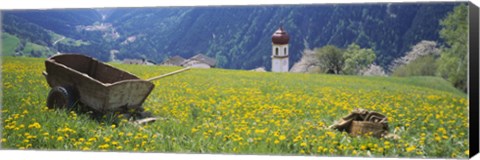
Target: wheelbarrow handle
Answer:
[[168, 74]]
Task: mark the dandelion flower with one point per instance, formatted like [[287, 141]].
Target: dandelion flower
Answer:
[[104, 146], [411, 148], [363, 147], [303, 144]]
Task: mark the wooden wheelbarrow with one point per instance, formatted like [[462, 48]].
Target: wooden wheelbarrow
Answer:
[[76, 78]]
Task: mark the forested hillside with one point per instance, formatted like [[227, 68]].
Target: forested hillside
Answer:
[[62, 22], [239, 37]]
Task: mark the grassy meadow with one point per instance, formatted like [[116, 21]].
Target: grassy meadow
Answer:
[[9, 43], [243, 112]]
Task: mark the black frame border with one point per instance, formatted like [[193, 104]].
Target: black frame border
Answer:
[[473, 88]]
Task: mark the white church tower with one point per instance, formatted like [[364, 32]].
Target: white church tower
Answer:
[[280, 51]]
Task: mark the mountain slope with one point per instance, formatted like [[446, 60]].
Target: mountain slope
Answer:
[[238, 37], [55, 30], [231, 34], [61, 21]]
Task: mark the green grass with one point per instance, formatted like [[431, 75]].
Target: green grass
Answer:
[[432, 83], [73, 42], [426, 82], [32, 46], [54, 36], [45, 51], [244, 112], [9, 43]]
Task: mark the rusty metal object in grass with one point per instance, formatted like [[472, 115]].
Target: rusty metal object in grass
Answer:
[[369, 128], [364, 122]]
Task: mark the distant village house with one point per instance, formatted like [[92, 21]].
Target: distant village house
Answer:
[[259, 69], [200, 61], [197, 61], [138, 61], [174, 61]]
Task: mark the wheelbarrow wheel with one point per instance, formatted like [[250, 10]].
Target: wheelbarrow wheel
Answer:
[[62, 97]]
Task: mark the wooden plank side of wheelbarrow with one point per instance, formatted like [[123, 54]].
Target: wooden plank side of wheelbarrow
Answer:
[[106, 73], [127, 93], [101, 86], [91, 91]]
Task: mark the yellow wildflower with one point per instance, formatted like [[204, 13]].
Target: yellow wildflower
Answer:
[[363, 147], [104, 146], [303, 144], [411, 148]]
